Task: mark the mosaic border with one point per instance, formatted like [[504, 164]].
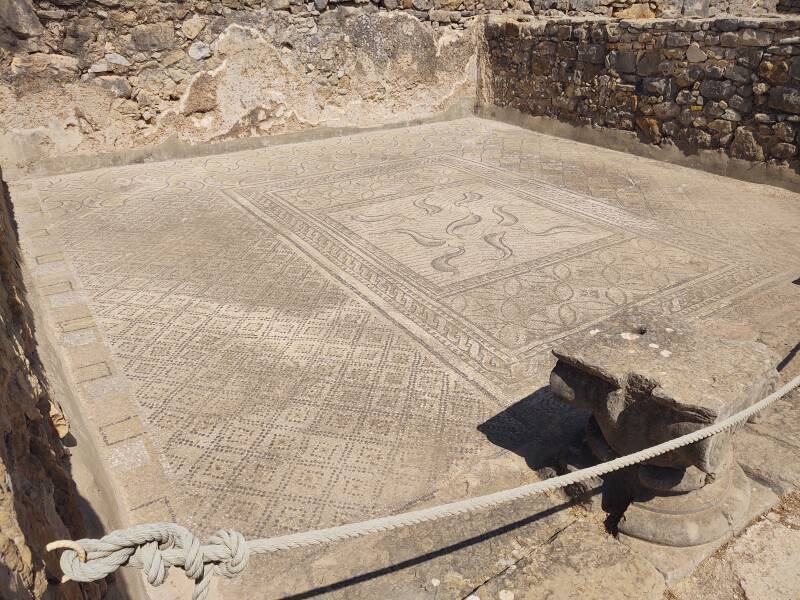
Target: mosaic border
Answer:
[[102, 392]]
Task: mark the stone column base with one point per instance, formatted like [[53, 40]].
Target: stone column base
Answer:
[[676, 533], [691, 518]]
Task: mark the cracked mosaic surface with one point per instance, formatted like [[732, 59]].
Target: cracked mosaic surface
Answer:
[[314, 332]]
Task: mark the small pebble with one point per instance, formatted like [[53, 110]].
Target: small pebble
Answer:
[[665, 353], [629, 336], [435, 582], [653, 345], [594, 332]]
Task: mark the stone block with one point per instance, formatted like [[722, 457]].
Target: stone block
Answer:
[[786, 99], [117, 85], [749, 57], [53, 66], [666, 110], [647, 380], [624, 61], [717, 89], [199, 50], [154, 36], [117, 59], [650, 381], [755, 37], [20, 17], [774, 71], [737, 73], [729, 39], [696, 8], [727, 24], [636, 11], [649, 127], [648, 63], [592, 53], [444, 16], [192, 27], [661, 86], [783, 150], [694, 54], [677, 39]]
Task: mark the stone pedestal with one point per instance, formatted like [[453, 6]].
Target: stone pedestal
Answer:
[[647, 381]]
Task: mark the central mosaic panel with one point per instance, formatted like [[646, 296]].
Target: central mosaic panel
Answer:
[[457, 233], [493, 266]]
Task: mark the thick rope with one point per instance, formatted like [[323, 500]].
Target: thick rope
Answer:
[[155, 548]]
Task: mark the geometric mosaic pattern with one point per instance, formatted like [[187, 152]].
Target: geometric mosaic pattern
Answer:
[[313, 333], [496, 267]]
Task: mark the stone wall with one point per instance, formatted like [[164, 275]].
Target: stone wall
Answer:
[[82, 77], [38, 499], [644, 9], [726, 84]]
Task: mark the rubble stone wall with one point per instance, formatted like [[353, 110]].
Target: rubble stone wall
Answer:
[[729, 84], [81, 77], [38, 499], [644, 9]]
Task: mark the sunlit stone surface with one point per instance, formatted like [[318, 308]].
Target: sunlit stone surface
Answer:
[[316, 333]]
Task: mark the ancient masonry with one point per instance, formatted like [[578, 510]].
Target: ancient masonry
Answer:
[[189, 300], [722, 83], [116, 75]]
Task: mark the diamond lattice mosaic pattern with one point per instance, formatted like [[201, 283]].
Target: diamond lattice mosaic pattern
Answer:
[[314, 332]]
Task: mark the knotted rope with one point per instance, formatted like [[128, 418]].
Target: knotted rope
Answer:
[[155, 548]]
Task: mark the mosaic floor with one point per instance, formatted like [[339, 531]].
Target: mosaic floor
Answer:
[[315, 333]]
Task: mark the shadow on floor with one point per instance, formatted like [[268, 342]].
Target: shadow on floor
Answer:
[[789, 357], [45, 503], [549, 434], [539, 428], [411, 562]]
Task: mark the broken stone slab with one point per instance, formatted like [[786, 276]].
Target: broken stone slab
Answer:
[[647, 381], [733, 572], [54, 66]]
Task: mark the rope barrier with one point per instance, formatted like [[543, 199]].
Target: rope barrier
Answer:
[[156, 547]]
